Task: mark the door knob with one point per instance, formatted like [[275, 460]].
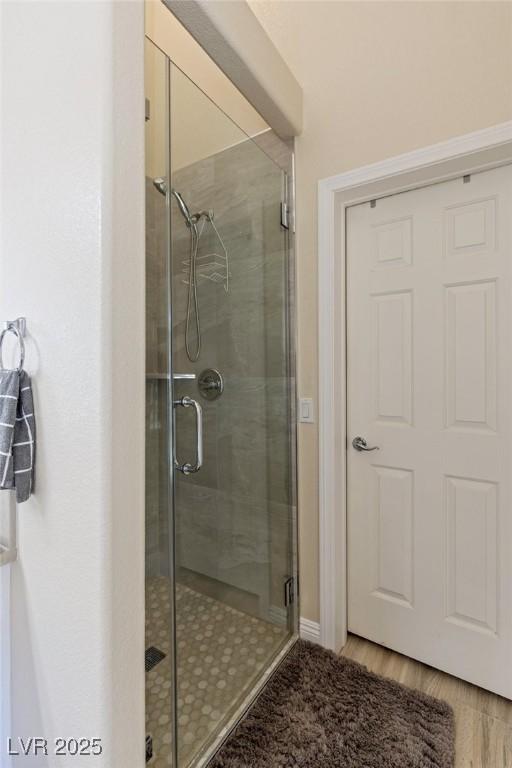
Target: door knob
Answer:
[[360, 444]]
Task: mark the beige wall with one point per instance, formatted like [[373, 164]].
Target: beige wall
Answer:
[[379, 79]]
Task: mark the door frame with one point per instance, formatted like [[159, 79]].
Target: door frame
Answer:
[[469, 153]]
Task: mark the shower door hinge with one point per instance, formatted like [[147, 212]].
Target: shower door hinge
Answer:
[[285, 215], [287, 202], [289, 592], [147, 114]]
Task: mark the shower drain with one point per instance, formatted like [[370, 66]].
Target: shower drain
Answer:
[[153, 657]]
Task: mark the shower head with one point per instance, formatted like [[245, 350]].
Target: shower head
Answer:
[[161, 184]]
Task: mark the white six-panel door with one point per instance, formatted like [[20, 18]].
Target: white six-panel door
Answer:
[[429, 316]]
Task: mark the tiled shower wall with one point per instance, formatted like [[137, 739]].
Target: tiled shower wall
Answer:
[[234, 517]]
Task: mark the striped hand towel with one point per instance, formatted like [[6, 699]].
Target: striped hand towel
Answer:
[[17, 433]]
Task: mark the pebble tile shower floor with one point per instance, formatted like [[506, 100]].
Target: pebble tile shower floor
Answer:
[[220, 653]]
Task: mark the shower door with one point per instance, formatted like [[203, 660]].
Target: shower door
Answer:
[[220, 417]]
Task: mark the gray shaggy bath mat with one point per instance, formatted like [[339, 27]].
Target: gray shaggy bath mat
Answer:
[[324, 711]]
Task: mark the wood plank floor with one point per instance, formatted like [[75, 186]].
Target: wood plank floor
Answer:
[[483, 720]]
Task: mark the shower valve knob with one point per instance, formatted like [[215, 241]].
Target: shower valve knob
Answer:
[[210, 384]]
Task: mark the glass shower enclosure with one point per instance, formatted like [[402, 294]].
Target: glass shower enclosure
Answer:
[[221, 552]]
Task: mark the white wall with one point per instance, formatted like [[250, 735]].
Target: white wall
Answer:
[[379, 79], [72, 262]]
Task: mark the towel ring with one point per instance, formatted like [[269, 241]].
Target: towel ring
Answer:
[[13, 329]]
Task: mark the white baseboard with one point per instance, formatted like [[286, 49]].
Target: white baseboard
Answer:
[[310, 630]]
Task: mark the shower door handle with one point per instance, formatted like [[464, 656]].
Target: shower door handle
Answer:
[[186, 468]]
